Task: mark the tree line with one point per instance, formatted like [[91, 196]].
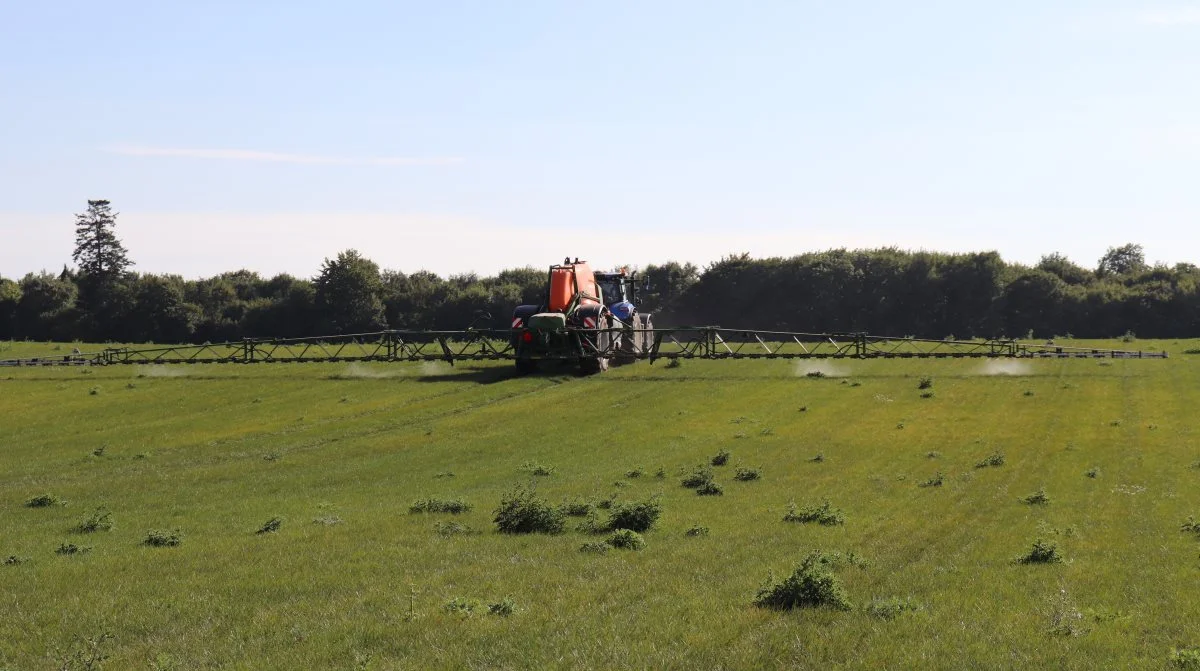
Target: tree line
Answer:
[[883, 291]]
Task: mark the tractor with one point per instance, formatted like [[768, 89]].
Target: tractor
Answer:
[[587, 318]]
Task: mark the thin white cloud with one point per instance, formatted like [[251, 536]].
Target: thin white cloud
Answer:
[[275, 157], [1179, 16]]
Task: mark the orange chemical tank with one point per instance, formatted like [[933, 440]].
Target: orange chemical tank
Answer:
[[566, 281]]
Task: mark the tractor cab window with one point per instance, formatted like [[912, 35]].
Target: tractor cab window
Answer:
[[613, 290]]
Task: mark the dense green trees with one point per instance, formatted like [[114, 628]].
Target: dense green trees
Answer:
[[883, 291]]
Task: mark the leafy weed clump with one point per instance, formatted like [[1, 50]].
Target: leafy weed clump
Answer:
[[72, 549], [711, 488], [992, 460], [927, 394], [1191, 525], [522, 511], [626, 539], [45, 501], [746, 474], [160, 539], [453, 529], [576, 508], [1093, 472], [720, 458], [460, 606], [634, 516], [270, 526], [936, 481], [595, 547], [1186, 658], [1041, 552], [635, 473], [696, 530], [14, 560], [820, 458], [892, 607], [503, 607], [99, 520], [1037, 498], [700, 476], [925, 383], [824, 514], [811, 585], [535, 468], [452, 506]]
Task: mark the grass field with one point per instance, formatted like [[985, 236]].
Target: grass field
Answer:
[[352, 579]]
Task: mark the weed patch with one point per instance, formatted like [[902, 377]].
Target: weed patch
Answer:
[[991, 461], [72, 549], [635, 516], [811, 585], [711, 488], [99, 520], [45, 501], [824, 514], [522, 511], [452, 506], [160, 539], [595, 547], [14, 560], [699, 477], [927, 394], [460, 606], [453, 529], [534, 468], [696, 530], [1037, 498], [1187, 659], [892, 607], [634, 473], [503, 607], [1092, 472], [270, 526], [1041, 552], [626, 539], [746, 474], [818, 459], [577, 508], [936, 481], [1190, 526], [925, 383], [1066, 620], [720, 458]]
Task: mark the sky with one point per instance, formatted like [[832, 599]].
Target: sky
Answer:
[[461, 137]]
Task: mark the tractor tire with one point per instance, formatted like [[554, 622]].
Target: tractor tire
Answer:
[[628, 346], [526, 366], [645, 340], [602, 338]]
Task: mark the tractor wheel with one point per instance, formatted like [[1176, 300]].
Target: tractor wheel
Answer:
[[527, 366], [602, 339], [645, 340], [628, 345]]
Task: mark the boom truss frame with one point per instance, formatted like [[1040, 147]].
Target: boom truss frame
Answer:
[[704, 342]]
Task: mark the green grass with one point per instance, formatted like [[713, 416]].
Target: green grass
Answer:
[[218, 450]]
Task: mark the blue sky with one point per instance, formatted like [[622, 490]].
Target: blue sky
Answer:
[[473, 136]]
